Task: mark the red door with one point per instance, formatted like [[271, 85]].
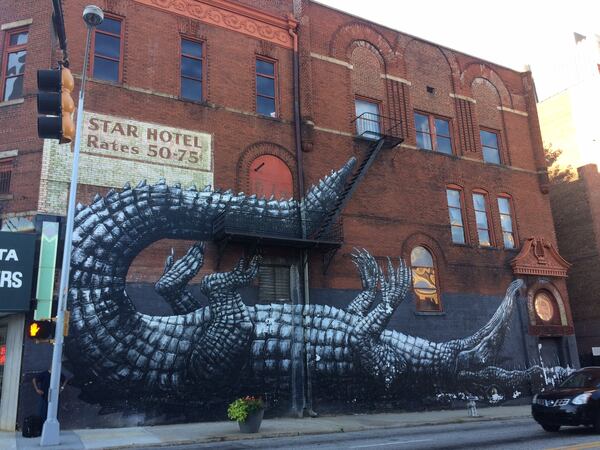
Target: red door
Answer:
[[269, 175]]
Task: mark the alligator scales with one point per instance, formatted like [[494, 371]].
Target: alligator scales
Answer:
[[200, 347]]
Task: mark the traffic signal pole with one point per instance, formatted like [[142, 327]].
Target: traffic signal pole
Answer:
[[51, 430]]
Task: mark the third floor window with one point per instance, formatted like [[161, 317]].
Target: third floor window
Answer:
[[266, 87], [13, 64], [433, 133], [490, 146], [108, 51], [191, 70]]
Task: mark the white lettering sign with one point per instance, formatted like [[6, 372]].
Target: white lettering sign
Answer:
[[129, 139], [117, 150], [12, 280], [8, 254]]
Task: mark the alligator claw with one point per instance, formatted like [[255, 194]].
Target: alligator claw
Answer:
[[178, 274]]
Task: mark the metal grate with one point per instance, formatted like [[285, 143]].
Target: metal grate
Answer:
[[371, 126], [5, 175]]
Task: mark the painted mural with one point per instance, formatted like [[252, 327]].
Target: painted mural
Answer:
[[211, 352]]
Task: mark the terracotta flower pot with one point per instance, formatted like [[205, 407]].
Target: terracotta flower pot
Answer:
[[252, 423]]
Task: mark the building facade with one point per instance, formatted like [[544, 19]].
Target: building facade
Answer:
[[575, 208], [357, 147], [568, 110]]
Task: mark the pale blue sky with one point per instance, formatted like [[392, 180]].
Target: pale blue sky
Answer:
[[512, 33]]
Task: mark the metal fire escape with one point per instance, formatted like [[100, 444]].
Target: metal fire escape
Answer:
[[379, 133]]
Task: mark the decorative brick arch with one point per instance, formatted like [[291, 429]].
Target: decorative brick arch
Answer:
[[257, 149], [402, 46], [478, 70], [340, 46], [369, 46], [426, 241]]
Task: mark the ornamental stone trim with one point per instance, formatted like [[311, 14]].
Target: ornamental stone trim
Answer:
[[234, 17]]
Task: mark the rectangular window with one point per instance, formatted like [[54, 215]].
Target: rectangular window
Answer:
[[456, 219], [5, 175], [506, 221], [367, 119], [108, 52], [266, 87], [13, 64], [433, 133], [481, 219], [273, 283], [191, 70], [489, 146]]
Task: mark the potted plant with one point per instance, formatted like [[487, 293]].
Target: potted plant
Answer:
[[248, 411]]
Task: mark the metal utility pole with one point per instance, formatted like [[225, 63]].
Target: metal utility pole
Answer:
[[93, 16]]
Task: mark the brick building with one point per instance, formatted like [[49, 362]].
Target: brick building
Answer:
[[449, 176], [575, 209]]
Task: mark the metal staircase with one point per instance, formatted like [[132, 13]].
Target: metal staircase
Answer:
[[368, 127]]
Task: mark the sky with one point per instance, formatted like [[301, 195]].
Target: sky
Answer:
[[512, 33]]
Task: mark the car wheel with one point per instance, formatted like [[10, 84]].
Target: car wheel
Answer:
[[551, 428]]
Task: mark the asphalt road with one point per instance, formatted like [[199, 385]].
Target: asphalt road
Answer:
[[522, 434]]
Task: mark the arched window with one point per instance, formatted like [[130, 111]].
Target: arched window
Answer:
[[269, 175], [424, 280], [546, 307]]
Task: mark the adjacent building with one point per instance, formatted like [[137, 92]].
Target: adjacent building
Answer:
[[575, 207], [569, 104], [416, 152]]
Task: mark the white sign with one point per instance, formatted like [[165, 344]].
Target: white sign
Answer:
[[121, 138], [115, 150], [596, 351]]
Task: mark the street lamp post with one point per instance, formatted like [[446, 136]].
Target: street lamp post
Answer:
[[93, 16]]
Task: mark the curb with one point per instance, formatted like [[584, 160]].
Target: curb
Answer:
[[281, 434]]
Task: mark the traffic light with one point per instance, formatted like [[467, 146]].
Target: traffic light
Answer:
[[42, 330], [55, 105]]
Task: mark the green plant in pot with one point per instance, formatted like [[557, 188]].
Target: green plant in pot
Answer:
[[248, 411]]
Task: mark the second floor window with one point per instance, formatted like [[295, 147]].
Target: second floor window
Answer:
[[481, 219], [456, 219], [506, 221], [433, 133], [108, 53], [5, 175], [489, 146], [266, 87], [191, 70], [13, 64]]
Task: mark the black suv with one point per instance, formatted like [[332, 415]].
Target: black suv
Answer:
[[575, 402]]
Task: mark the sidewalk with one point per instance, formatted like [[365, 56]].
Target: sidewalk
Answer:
[[110, 438]]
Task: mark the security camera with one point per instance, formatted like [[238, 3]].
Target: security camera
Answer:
[[93, 15]]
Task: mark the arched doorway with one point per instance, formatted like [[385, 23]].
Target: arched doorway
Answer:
[[269, 175]]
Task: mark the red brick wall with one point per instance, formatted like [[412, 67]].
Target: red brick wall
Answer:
[[18, 127], [402, 199], [576, 212]]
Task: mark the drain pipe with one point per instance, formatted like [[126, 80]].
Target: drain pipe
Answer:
[[300, 176]]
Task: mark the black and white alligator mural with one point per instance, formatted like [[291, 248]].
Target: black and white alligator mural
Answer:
[[221, 346]]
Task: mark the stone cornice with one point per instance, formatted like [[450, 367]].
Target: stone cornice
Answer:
[[539, 257], [231, 16]]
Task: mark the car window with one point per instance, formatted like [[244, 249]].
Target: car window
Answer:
[[582, 380]]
